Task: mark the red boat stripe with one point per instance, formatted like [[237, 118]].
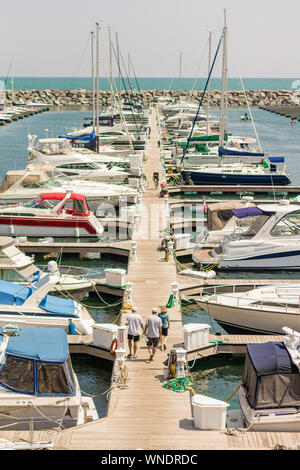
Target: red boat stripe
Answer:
[[47, 222]]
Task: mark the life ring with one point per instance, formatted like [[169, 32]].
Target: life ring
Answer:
[[114, 345]]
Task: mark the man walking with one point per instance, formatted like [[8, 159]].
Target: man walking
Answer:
[[134, 322], [153, 329]]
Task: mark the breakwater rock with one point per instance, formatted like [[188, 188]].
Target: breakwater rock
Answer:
[[147, 97]]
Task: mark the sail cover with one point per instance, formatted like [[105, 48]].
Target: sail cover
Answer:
[[85, 138], [276, 159], [223, 151]]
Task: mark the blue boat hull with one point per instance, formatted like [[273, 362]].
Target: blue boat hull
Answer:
[[199, 178]]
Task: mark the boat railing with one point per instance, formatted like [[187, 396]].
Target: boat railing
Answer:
[[223, 289]]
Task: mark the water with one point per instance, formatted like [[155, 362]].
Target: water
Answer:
[[148, 83]]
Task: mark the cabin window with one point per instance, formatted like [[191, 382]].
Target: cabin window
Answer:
[[288, 226], [52, 379], [17, 374]]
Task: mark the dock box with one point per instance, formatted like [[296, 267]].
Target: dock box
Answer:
[[115, 277], [182, 240], [195, 335], [209, 413], [104, 334]]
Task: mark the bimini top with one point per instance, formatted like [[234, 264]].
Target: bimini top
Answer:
[[41, 344], [61, 196], [15, 294], [270, 358], [80, 207]]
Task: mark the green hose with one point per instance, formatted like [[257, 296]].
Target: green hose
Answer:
[[179, 385]]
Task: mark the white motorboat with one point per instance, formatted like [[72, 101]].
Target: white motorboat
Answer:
[[38, 386], [269, 395], [92, 171], [52, 214], [95, 194], [15, 266], [262, 309], [272, 241], [33, 305]]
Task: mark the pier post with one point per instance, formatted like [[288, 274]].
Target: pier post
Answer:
[[175, 292], [133, 251]]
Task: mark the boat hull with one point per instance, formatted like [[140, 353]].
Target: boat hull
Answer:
[[199, 178], [257, 320], [268, 420], [41, 416], [284, 260]]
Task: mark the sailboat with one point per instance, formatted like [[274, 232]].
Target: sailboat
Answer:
[[238, 173]]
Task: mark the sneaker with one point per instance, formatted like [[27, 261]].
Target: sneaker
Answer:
[[150, 358], [129, 356]]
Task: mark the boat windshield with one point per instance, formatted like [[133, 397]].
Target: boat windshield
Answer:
[[288, 226], [40, 204], [50, 183], [249, 226]]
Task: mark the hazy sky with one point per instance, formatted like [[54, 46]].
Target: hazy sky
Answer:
[[52, 37]]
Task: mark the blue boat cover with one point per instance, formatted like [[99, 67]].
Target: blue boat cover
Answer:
[[15, 294], [270, 358], [223, 151], [247, 212], [85, 138], [42, 344], [276, 159]]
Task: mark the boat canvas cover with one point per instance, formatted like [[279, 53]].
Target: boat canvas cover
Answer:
[[270, 378], [276, 159], [223, 151], [85, 138], [219, 213], [41, 344], [247, 212], [15, 294]]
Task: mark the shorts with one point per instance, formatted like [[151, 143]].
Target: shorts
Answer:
[[164, 331], [152, 342], [134, 338]]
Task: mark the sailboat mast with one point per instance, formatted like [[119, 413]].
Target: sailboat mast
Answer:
[[208, 86], [110, 72], [97, 80], [118, 60], [222, 128], [180, 64], [93, 77]]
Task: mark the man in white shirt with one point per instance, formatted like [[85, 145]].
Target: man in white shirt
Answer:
[[134, 322]]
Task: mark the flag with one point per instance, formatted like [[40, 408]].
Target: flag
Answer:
[[204, 205]]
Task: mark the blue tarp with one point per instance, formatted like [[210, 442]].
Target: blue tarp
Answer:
[[270, 358], [223, 151], [276, 159], [42, 344], [85, 138], [247, 212], [14, 294]]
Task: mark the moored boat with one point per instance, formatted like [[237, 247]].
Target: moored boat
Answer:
[[38, 386], [52, 214]]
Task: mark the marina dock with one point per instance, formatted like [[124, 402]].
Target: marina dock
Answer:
[[142, 414]]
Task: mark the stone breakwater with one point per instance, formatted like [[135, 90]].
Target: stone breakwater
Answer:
[[82, 97]]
